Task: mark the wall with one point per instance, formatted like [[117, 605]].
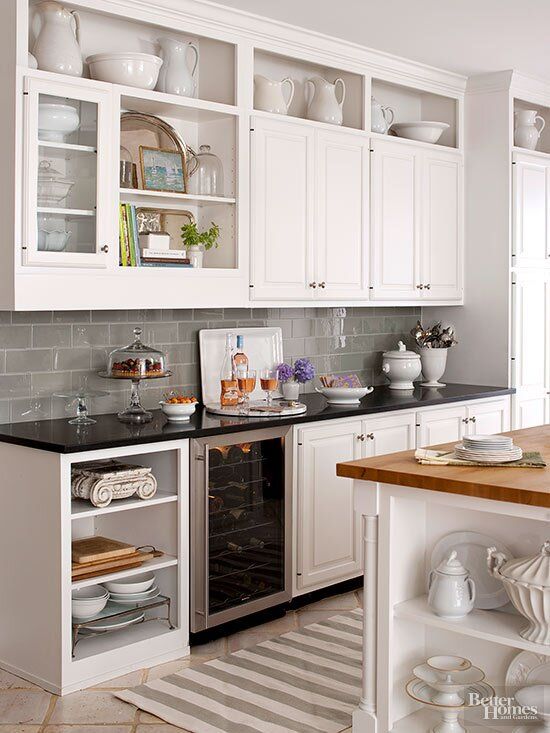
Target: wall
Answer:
[[43, 353]]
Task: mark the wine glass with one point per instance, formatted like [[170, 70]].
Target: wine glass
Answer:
[[246, 381], [269, 381]]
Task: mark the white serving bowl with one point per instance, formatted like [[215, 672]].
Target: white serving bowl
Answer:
[[134, 584], [89, 601], [344, 395], [54, 241], [178, 412], [128, 68], [424, 132], [56, 121]]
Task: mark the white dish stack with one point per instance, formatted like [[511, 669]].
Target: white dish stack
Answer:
[[133, 590], [488, 449]]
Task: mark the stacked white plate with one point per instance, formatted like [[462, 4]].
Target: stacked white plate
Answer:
[[488, 449], [135, 589]]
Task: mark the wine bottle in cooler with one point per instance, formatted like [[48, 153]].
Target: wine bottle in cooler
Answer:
[[229, 395]]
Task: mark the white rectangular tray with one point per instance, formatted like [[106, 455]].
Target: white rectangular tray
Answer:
[[263, 346]]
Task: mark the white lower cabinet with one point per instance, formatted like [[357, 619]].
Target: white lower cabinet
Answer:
[[450, 423], [328, 529], [488, 418]]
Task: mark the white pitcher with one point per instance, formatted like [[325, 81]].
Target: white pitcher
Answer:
[[175, 76], [526, 132], [380, 117], [322, 102], [57, 46], [269, 95], [451, 591]]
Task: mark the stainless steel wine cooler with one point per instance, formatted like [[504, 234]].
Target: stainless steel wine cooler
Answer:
[[240, 525]]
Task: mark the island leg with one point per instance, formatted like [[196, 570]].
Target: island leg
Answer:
[[364, 717]]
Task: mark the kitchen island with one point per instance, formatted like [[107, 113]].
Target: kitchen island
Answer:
[[407, 508]]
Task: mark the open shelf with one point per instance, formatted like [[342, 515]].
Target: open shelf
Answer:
[[186, 109], [274, 66], [417, 143], [122, 639], [165, 198], [543, 145], [157, 563], [496, 626], [412, 105], [82, 508]]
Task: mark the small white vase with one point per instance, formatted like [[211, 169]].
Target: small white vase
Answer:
[[196, 255], [433, 362], [291, 390]]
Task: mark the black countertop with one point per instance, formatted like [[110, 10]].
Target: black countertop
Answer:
[[60, 437]]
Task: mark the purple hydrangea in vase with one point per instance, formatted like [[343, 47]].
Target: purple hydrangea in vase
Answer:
[[292, 376]]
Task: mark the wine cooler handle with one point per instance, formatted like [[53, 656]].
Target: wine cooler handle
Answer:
[[206, 571]]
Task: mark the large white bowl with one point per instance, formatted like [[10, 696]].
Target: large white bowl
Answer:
[[56, 121], [134, 584], [344, 395], [178, 412], [131, 69], [89, 601], [425, 132]]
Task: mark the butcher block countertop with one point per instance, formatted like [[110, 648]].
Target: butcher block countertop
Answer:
[[519, 485]]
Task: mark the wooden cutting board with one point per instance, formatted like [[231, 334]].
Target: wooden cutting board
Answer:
[[93, 549], [81, 569]]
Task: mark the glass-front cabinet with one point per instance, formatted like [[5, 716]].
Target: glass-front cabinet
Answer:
[[67, 190]]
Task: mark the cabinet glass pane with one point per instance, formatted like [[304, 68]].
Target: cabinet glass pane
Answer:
[[67, 175], [246, 523]]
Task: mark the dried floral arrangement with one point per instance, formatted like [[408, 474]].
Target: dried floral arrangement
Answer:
[[435, 337]]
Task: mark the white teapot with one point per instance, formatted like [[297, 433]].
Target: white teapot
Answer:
[[269, 95], [381, 117], [322, 101], [451, 589]]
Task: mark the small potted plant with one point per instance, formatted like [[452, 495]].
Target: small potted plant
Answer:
[[292, 376], [197, 243]]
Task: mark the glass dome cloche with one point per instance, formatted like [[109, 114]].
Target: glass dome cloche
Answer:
[[137, 361]]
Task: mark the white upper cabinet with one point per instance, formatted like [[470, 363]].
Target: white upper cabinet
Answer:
[[416, 223], [341, 218], [531, 211], [282, 197], [442, 226], [68, 216], [309, 197], [395, 221]]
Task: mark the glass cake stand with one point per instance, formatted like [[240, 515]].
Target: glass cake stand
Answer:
[[135, 412], [81, 396]]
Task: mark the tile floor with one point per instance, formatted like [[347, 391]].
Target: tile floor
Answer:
[[25, 708]]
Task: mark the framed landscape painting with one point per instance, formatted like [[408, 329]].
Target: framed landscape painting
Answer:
[[162, 170]]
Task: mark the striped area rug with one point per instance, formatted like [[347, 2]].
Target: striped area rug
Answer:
[[304, 681]]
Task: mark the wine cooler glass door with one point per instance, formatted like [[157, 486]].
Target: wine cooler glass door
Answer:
[[246, 515]]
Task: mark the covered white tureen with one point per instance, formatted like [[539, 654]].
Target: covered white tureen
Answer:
[[527, 582], [401, 367]]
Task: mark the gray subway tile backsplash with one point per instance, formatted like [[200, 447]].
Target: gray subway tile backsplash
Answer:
[[48, 352]]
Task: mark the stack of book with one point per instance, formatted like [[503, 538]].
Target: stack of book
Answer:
[[131, 255]]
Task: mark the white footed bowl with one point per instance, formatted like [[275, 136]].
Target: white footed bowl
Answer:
[[56, 121], [178, 412], [130, 69], [424, 132], [344, 395]]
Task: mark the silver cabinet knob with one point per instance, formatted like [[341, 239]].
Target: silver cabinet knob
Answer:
[[313, 285], [105, 248], [473, 419], [370, 436], [428, 286], [465, 419], [361, 437], [420, 287], [322, 285]]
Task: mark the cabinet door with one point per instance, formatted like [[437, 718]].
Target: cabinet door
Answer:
[[328, 530], [282, 191], [531, 191], [395, 221], [531, 339], [529, 410], [70, 215], [389, 433], [342, 204], [442, 226], [442, 425], [488, 418]]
